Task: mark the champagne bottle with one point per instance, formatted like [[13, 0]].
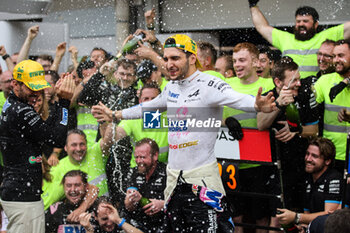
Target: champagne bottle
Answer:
[[293, 118], [130, 46], [290, 228], [144, 201]]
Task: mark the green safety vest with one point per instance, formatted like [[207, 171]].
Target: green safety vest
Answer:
[[247, 119], [333, 129], [87, 123], [215, 73], [134, 129], [139, 84], [304, 53], [93, 164]]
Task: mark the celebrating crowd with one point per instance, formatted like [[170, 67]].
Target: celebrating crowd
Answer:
[[78, 153]]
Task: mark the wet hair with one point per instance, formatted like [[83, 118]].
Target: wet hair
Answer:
[[45, 57], [248, 46], [54, 75], [266, 50], [74, 173], [126, 64], [208, 49], [307, 10], [100, 200], [76, 131], [100, 49], [84, 66], [340, 42], [154, 146], [151, 85], [326, 148], [286, 63]]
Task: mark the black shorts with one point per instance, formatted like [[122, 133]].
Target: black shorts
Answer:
[[187, 213]]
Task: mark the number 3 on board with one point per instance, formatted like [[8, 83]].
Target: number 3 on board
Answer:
[[231, 171]]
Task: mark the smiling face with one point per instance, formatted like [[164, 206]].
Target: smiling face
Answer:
[[264, 66], [325, 57], [24, 93], [244, 63], [76, 147], [342, 59], [178, 64], [98, 57], [314, 162], [305, 27], [292, 79], [144, 159], [74, 189]]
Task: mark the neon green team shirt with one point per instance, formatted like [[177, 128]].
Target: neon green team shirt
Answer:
[[134, 129], [304, 52], [93, 164], [247, 119], [216, 74], [333, 129]]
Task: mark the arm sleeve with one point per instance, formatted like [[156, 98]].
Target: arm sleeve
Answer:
[[334, 192], [220, 93], [135, 112], [36, 129], [318, 89], [91, 95]]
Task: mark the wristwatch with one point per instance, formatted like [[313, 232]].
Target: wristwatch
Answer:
[[297, 218]]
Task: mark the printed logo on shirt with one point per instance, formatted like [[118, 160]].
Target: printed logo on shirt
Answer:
[[151, 119], [173, 95], [183, 145], [33, 159], [64, 116], [5, 106]]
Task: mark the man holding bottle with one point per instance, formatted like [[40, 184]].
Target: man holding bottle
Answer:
[[291, 138], [147, 183]]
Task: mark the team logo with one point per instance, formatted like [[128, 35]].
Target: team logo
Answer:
[[151, 120], [33, 159]]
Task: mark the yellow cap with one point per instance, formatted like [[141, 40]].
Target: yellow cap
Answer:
[[183, 42], [32, 74]]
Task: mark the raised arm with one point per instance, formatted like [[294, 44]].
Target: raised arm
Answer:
[[347, 30], [23, 53], [7, 58], [60, 50], [74, 56], [260, 22]]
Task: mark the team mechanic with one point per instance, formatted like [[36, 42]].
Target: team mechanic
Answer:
[[193, 180], [22, 134]]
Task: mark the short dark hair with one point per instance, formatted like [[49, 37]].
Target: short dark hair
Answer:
[[54, 75], [154, 146], [266, 50], [340, 42], [286, 63], [84, 66], [126, 64], [45, 57], [152, 85], [76, 131], [99, 201], [338, 222], [229, 62], [100, 49], [208, 49], [326, 148], [73, 173], [307, 10], [328, 41]]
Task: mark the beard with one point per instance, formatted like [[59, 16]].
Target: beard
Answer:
[[304, 36], [344, 70]]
